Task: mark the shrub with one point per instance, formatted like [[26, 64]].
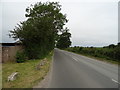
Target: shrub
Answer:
[[80, 49], [111, 52], [20, 57]]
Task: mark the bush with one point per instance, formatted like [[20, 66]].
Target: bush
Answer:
[[80, 49], [20, 57], [111, 52]]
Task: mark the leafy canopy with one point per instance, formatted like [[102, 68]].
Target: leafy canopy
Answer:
[[39, 31], [64, 39]]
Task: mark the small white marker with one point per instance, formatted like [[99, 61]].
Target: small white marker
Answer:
[[115, 81], [75, 59]]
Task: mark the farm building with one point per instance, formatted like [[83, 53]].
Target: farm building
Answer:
[[8, 51]]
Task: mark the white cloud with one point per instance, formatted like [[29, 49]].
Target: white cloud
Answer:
[[61, 0], [91, 23], [0, 22]]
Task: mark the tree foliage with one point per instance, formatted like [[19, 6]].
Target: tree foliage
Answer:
[[64, 39], [39, 31]]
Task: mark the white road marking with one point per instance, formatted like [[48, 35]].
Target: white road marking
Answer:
[[75, 59], [115, 81]]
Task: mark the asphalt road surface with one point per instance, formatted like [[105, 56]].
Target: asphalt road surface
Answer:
[[71, 70]]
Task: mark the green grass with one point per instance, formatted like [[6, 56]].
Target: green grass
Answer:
[[0, 76], [28, 75], [97, 58], [101, 59]]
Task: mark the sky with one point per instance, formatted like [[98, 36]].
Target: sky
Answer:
[[91, 22]]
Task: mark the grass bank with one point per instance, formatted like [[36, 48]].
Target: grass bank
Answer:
[[103, 54], [28, 74]]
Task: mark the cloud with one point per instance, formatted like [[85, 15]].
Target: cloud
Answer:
[[0, 22], [91, 23], [60, 0]]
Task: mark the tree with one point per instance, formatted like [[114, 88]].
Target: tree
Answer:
[[111, 46], [118, 44], [64, 39], [38, 32]]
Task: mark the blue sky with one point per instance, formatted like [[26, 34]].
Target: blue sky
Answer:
[[91, 22]]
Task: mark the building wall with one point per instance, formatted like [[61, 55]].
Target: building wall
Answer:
[[0, 53], [9, 53]]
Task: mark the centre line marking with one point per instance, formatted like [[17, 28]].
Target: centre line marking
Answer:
[[75, 59], [115, 81]]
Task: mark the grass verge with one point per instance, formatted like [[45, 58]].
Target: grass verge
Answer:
[[98, 58], [28, 75]]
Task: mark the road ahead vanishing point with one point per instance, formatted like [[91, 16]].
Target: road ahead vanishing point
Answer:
[[70, 70]]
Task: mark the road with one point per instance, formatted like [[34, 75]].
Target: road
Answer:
[[70, 70]]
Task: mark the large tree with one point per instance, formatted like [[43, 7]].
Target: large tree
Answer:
[[64, 39], [39, 31]]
